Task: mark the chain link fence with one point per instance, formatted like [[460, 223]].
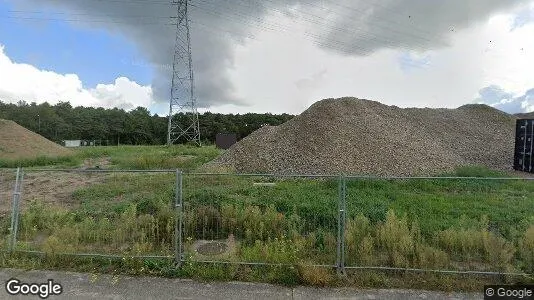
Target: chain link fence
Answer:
[[7, 185], [95, 212], [454, 225], [260, 219], [422, 224]]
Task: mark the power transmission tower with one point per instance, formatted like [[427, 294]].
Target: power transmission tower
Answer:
[[183, 115]]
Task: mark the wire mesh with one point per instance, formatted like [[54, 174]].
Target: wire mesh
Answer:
[[259, 219], [7, 185], [453, 225], [444, 225], [112, 213]]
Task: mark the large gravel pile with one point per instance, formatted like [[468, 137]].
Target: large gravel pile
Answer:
[[355, 136]]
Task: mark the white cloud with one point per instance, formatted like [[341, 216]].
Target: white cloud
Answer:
[[524, 16], [506, 101], [25, 82], [287, 71], [486, 53]]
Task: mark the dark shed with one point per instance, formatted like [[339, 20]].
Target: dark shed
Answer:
[[225, 140]]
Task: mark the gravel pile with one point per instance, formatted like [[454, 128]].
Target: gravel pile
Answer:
[[355, 136], [17, 142]]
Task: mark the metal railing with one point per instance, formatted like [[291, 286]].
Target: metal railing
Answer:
[[247, 219]]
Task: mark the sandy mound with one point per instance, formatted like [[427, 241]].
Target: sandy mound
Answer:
[[354, 136], [18, 142]]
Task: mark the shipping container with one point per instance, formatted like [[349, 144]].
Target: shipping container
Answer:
[[524, 140]]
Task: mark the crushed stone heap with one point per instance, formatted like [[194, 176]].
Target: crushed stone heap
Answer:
[[355, 136]]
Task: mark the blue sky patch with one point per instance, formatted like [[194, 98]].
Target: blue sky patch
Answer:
[[95, 55], [409, 62], [524, 17]]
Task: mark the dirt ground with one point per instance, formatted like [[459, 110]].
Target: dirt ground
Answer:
[[51, 187]]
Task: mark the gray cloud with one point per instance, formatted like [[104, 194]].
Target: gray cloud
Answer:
[[416, 25], [351, 27], [499, 98], [312, 82]]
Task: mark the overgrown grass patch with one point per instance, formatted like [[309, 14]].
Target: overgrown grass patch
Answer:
[[68, 161], [183, 157], [452, 224]]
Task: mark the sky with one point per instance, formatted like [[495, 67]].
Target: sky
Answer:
[[270, 56]]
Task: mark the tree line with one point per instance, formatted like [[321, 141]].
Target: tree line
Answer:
[[116, 126]]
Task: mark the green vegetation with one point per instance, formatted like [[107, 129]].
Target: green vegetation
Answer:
[[453, 224], [126, 157], [116, 126], [66, 161]]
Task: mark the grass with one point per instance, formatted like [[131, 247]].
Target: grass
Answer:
[[126, 157], [112, 271], [69, 161], [461, 224]]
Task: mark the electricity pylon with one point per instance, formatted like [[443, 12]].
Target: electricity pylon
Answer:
[[183, 115]]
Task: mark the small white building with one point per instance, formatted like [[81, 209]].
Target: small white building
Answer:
[[73, 143]]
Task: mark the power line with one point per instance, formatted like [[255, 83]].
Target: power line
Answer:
[[315, 18], [134, 2], [89, 15], [352, 31], [362, 12], [84, 20], [314, 38], [262, 25]]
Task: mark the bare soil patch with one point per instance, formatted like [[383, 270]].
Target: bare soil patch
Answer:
[[50, 187]]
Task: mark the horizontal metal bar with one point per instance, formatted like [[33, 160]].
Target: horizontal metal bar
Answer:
[[439, 178], [437, 271], [254, 263], [262, 175], [279, 175], [102, 170], [112, 256]]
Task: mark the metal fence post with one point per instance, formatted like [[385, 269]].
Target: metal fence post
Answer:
[[15, 209], [341, 219], [178, 223]]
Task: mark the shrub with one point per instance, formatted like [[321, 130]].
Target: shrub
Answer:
[[316, 276], [395, 238]]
